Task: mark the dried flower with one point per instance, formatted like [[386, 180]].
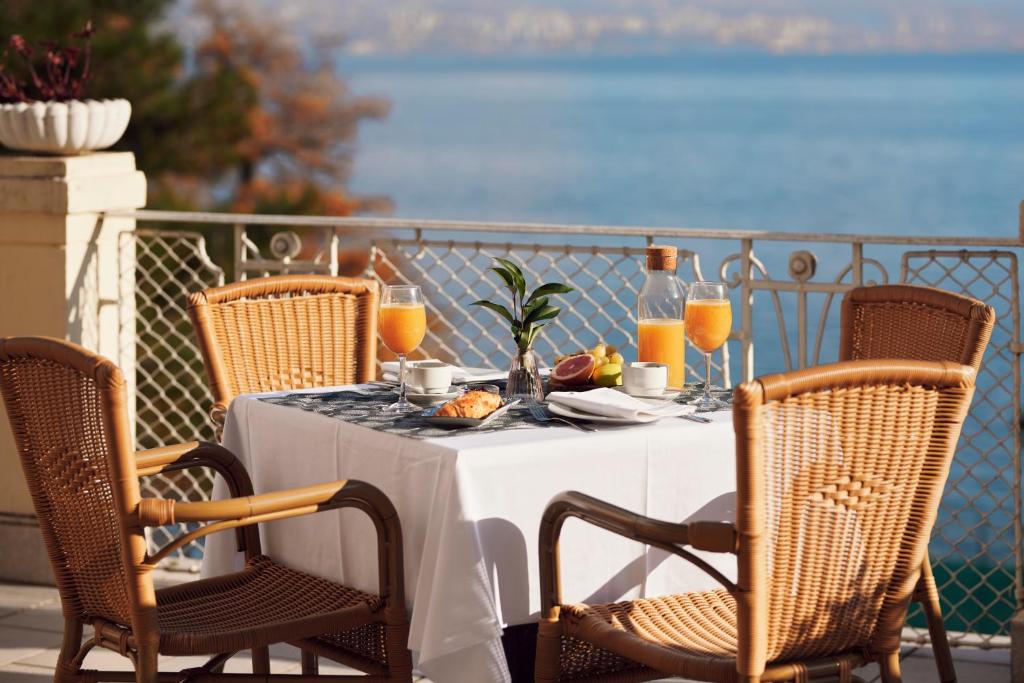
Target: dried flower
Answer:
[[87, 31], [61, 73], [21, 45]]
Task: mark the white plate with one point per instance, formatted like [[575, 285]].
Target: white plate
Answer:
[[565, 411], [465, 422], [666, 395]]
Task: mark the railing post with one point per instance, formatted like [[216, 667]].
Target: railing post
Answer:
[[61, 261], [857, 263], [1021, 221], [746, 310], [240, 254], [1017, 635]]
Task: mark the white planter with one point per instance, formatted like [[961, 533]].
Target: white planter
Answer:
[[63, 127]]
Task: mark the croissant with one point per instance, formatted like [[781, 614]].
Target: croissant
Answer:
[[475, 404]]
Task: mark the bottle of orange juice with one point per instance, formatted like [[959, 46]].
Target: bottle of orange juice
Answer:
[[661, 304]]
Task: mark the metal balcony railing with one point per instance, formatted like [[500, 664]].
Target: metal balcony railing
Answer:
[[785, 289]]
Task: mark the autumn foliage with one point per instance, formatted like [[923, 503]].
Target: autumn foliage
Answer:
[[256, 122]]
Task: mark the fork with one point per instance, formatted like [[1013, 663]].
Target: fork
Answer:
[[541, 416]]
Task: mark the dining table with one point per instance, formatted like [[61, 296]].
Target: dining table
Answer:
[[470, 503]]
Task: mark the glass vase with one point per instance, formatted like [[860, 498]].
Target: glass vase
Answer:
[[524, 381]]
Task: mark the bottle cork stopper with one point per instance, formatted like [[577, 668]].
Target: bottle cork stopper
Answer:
[[661, 257]]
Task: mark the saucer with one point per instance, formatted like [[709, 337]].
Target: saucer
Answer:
[[420, 398], [664, 395]]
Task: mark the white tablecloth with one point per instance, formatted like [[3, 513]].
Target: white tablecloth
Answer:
[[470, 508]]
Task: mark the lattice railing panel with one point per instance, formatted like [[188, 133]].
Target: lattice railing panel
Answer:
[[172, 399], [453, 274], [973, 544]]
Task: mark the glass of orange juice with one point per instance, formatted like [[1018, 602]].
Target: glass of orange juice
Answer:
[[402, 325], [708, 319]]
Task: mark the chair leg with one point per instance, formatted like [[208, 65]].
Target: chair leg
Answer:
[[927, 593], [260, 660], [310, 665], [548, 664], [889, 664], [72, 643], [146, 665]]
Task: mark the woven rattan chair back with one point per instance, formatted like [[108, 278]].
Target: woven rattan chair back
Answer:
[[67, 411], [907, 321], [839, 473], [286, 332]]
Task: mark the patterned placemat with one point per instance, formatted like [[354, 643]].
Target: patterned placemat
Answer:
[[365, 408]]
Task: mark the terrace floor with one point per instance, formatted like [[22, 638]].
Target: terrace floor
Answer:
[[31, 624]]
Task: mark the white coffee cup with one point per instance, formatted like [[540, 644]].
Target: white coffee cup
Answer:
[[431, 377], [645, 378]]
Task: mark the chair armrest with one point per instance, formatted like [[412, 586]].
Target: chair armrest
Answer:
[[149, 461], [201, 454], [302, 500], [669, 536], [713, 536], [195, 454], [250, 510]]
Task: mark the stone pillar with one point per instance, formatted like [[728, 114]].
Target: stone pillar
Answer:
[[60, 265]]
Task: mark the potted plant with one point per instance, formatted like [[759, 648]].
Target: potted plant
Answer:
[[528, 316], [42, 105]]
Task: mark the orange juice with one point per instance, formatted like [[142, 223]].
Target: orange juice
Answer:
[[708, 322], [402, 326], [661, 340]]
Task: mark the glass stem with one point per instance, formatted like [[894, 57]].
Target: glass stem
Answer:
[[401, 378], [707, 378]]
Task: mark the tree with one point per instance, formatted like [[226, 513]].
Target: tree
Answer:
[[253, 124], [297, 155]]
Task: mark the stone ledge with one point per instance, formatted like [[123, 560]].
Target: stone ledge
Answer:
[[29, 563], [80, 194], [38, 166]]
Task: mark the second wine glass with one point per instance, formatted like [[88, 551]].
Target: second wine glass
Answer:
[[708, 319], [402, 326]]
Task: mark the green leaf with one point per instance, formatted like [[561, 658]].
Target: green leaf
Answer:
[[497, 308], [507, 276], [517, 275], [534, 331], [550, 288], [538, 303], [512, 267], [552, 312], [539, 314]]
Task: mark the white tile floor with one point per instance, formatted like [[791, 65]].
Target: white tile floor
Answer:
[[31, 624]]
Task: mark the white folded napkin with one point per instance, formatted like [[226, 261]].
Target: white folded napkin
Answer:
[[611, 403], [459, 375]]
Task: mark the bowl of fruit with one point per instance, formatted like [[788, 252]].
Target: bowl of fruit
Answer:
[[600, 366]]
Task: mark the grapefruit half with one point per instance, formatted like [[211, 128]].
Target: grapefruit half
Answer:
[[574, 371]]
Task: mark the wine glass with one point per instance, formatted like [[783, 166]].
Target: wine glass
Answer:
[[708, 319], [402, 325]]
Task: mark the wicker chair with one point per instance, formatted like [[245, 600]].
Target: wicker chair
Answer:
[[70, 422], [922, 323], [839, 472], [285, 332]]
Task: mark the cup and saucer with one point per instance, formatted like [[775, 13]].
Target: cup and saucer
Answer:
[[647, 380], [430, 383]]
